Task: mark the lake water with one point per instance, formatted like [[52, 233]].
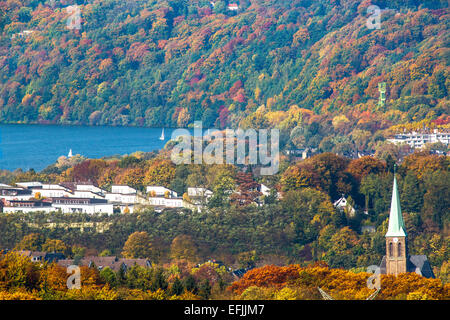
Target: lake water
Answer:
[[37, 146]]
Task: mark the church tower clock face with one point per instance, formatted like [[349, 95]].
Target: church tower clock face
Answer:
[[395, 240]]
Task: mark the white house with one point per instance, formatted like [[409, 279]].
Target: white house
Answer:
[[418, 140], [342, 204], [233, 6], [265, 190], [52, 186], [158, 191], [166, 202], [121, 198], [123, 189], [90, 187], [82, 205], [29, 185], [199, 192], [122, 194], [25, 206], [86, 194], [12, 193], [51, 193]]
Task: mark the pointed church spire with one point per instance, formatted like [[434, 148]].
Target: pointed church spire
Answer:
[[396, 225]]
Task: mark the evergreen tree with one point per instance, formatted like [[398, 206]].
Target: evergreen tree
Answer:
[[190, 284], [177, 287], [412, 194], [205, 289], [159, 281]]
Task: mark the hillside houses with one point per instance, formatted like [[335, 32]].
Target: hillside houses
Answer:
[[64, 197], [419, 139], [71, 197], [112, 262]]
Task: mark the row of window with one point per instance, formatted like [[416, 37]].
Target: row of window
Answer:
[[391, 249]]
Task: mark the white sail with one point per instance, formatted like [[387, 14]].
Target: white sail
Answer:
[[162, 135], [70, 154]]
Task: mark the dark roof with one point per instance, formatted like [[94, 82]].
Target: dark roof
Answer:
[[46, 256], [54, 256], [418, 264], [112, 262], [240, 272]]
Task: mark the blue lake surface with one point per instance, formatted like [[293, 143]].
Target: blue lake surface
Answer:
[[37, 146]]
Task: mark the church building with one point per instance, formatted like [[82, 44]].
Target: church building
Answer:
[[397, 260]]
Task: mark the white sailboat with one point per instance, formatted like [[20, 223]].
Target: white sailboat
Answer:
[[162, 135], [70, 154]]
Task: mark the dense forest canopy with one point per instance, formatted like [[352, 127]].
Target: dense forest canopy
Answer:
[[169, 63]]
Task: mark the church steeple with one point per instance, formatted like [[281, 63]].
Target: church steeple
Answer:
[[396, 245], [396, 225]]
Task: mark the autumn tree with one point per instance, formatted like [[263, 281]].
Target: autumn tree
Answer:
[[325, 171], [33, 242], [17, 271], [183, 247], [160, 173], [138, 245], [247, 189], [359, 168], [54, 245]]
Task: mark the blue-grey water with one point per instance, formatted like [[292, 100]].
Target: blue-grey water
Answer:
[[37, 146]]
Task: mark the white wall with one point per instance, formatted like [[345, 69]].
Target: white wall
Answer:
[[18, 197], [86, 194], [28, 209], [160, 191], [122, 189], [166, 202], [122, 198], [199, 192], [52, 193], [89, 187], [86, 208]]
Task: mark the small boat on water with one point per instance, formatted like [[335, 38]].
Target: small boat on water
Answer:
[[70, 155], [162, 135]]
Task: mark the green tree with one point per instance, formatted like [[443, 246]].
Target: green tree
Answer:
[[108, 276], [437, 199], [204, 289], [159, 281], [412, 194], [310, 211], [190, 284], [177, 287]]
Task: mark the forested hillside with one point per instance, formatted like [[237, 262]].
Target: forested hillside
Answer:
[[168, 63]]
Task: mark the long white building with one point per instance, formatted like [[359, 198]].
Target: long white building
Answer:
[[82, 205], [418, 140]]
